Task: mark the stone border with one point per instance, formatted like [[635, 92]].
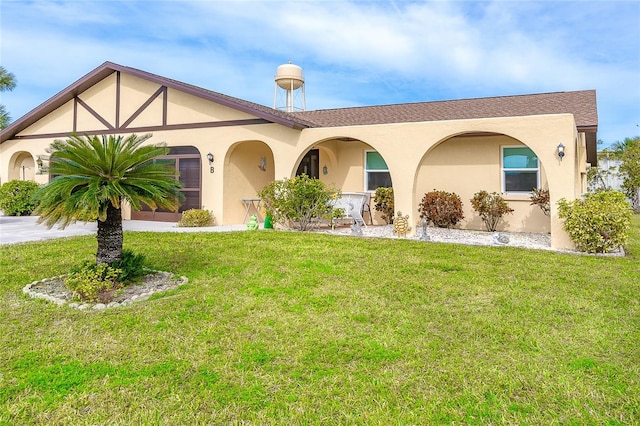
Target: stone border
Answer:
[[168, 276]]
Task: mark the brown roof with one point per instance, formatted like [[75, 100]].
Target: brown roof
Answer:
[[582, 104]]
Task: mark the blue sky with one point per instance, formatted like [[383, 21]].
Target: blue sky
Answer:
[[353, 53]]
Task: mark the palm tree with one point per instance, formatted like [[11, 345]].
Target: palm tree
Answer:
[[620, 147], [93, 176], [7, 82]]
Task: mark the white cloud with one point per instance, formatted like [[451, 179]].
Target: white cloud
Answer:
[[353, 53]]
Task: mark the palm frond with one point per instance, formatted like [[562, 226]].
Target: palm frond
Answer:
[[94, 172]]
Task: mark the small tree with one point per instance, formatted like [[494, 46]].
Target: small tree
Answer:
[[384, 203], [443, 209], [598, 224], [491, 208], [298, 202], [94, 175]]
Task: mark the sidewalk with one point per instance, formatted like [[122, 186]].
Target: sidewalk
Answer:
[[20, 229]]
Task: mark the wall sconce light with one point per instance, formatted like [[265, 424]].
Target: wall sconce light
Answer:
[[42, 166], [263, 164], [210, 158], [560, 151], [325, 170]]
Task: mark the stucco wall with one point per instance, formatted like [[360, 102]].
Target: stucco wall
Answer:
[[420, 156], [466, 165], [403, 146]]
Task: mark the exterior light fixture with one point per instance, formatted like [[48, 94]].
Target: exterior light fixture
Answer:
[[560, 151], [42, 161], [325, 170], [263, 164], [210, 158]]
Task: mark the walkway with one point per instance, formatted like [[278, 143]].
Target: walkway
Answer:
[[21, 229]]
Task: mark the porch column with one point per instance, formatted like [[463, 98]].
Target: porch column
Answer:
[[560, 177], [404, 194]]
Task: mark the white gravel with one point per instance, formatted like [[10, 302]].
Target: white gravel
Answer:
[[459, 236], [530, 240]]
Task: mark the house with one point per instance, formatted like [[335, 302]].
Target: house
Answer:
[[504, 144]]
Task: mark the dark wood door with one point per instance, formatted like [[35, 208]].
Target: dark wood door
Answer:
[[187, 163]]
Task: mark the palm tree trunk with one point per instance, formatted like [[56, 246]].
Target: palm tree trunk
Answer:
[[110, 236]]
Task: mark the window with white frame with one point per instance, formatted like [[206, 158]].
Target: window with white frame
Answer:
[[520, 170], [376, 172]]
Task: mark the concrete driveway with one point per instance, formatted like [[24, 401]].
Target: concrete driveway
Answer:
[[20, 229]]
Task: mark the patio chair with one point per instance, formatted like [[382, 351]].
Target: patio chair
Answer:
[[366, 207], [352, 203]]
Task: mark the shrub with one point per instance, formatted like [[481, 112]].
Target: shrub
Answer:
[[630, 171], [540, 198], [298, 202], [441, 208], [130, 265], [94, 282], [17, 197], [196, 218], [599, 223], [490, 207], [384, 204]]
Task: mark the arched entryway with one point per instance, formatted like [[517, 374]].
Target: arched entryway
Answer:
[[187, 163], [248, 167], [471, 162], [347, 163], [22, 166], [350, 165]]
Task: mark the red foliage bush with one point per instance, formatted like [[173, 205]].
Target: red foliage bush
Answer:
[[441, 208]]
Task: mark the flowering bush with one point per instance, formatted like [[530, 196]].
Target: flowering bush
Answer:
[[490, 207], [442, 208], [298, 202], [598, 224]]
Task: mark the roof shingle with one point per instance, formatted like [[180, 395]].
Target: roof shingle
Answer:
[[582, 104]]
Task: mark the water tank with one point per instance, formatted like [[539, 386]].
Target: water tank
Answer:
[[289, 76]]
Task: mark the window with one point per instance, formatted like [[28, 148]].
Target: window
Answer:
[[376, 172], [520, 170]]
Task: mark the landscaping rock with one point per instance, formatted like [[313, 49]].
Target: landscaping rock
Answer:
[[54, 290]]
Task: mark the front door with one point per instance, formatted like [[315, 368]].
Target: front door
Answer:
[[310, 164], [187, 163]]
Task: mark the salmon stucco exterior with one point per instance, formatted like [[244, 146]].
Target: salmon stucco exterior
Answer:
[[503, 144]]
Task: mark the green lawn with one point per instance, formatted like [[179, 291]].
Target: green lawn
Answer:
[[293, 329]]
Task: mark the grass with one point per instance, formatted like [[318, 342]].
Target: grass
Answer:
[[297, 329]]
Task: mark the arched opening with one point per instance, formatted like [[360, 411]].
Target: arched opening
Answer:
[[471, 162], [187, 163], [22, 166], [248, 167], [349, 164]]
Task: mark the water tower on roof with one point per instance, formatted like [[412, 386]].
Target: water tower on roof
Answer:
[[289, 89]]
